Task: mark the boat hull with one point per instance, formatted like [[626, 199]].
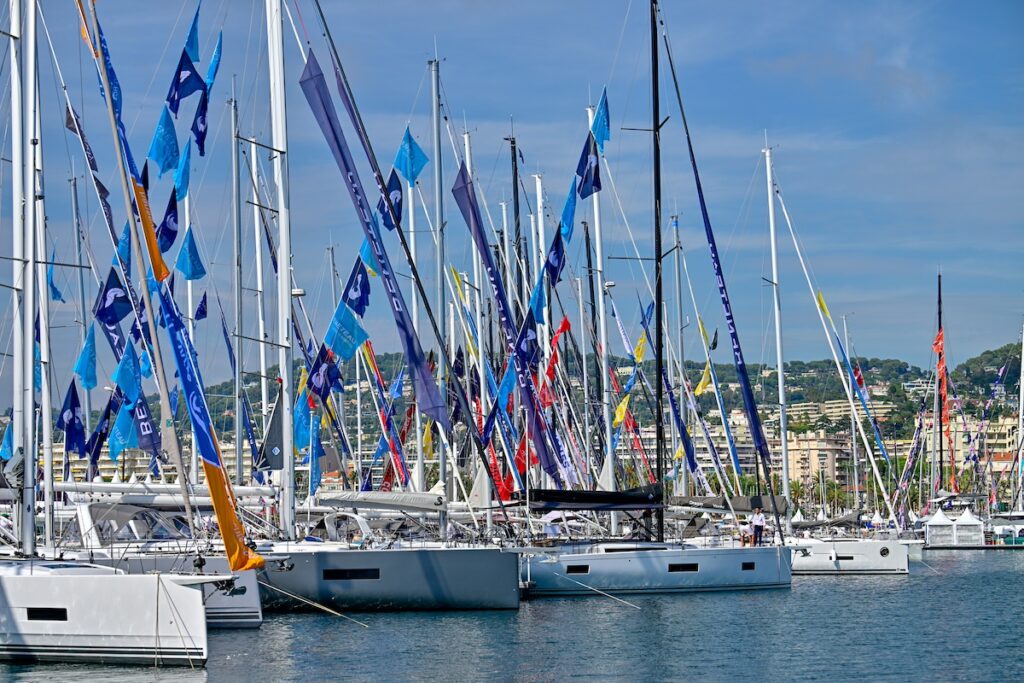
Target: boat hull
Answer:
[[674, 569], [850, 556], [394, 579], [111, 619]]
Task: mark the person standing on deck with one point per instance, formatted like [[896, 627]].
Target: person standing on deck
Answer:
[[757, 521]]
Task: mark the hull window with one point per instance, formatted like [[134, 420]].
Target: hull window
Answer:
[[748, 566], [686, 567], [351, 574], [47, 614], [577, 569], [844, 557]]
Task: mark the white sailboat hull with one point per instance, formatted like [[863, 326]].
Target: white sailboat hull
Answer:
[[652, 568], [849, 556], [103, 617]]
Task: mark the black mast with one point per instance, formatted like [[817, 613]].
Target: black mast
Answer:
[[659, 350], [938, 383], [518, 235]]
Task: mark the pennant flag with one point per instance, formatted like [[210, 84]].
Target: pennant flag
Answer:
[[145, 175], [620, 411], [211, 71], [323, 374], [357, 290], [189, 263], [588, 169], [127, 376], [368, 258], [163, 150], [186, 82], [396, 194], [55, 294], [112, 304], [85, 366], [410, 159], [640, 348], [301, 418], [70, 421], [568, 218], [199, 122], [705, 381], [167, 233], [345, 334], [181, 175], [714, 341], [192, 41], [7, 447], [122, 434], [124, 249], [37, 368], [316, 452], [556, 260], [201, 311], [822, 306], [145, 365], [601, 128]]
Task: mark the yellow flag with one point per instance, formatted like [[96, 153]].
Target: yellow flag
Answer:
[[704, 382], [458, 286], [428, 438], [703, 332], [679, 453], [822, 306], [641, 348], [620, 412]]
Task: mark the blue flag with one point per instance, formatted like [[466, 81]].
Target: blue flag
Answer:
[[556, 260], [7, 447], [85, 366], [181, 175], [70, 421], [410, 159], [601, 127], [199, 122], [324, 374], [300, 422], [566, 223], [122, 434], [112, 304], [368, 258], [357, 290], [99, 436], [211, 71], [345, 334], [167, 232], [188, 262], [145, 365], [396, 194], [164, 148], [192, 41], [316, 452], [186, 82], [55, 294], [589, 169], [124, 249], [128, 376], [201, 311]]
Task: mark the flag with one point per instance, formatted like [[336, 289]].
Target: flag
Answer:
[[167, 233], [211, 71], [192, 41], [368, 258], [640, 349], [859, 376], [410, 159], [85, 366], [188, 262], [7, 447], [124, 249], [145, 364], [601, 127], [201, 311], [705, 381], [316, 452], [588, 169], [714, 341], [357, 290], [822, 306], [163, 150], [345, 334], [122, 434], [323, 374], [556, 260], [127, 376], [396, 195], [568, 218], [55, 294], [199, 122], [70, 421], [112, 304], [186, 82], [620, 411], [300, 419], [181, 174]]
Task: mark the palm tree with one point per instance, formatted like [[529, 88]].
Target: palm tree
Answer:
[[797, 491]]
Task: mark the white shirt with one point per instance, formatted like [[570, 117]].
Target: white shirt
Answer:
[[757, 519]]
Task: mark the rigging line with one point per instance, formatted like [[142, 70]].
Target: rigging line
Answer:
[[156, 69], [618, 45]]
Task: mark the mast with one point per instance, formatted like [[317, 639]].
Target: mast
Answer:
[[1020, 428], [77, 227], [659, 339], [279, 142], [780, 368], [435, 105], [853, 431], [236, 218], [936, 469], [419, 471], [517, 240], [685, 471], [260, 305]]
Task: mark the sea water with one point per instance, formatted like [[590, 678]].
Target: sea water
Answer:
[[957, 617]]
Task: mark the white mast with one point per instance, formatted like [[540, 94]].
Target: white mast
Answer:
[[440, 309], [684, 479], [542, 242], [420, 468], [236, 219], [607, 478], [260, 305], [279, 143], [1020, 428], [853, 431], [191, 318], [780, 368]]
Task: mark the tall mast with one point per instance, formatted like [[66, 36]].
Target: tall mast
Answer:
[[440, 308], [659, 339], [685, 471], [236, 217], [1020, 426], [260, 305], [780, 368], [853, 431], [279, 142], [517, 241], [936, 469], [419, 471]]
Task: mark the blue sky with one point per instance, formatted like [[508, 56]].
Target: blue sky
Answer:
[[896, 127]]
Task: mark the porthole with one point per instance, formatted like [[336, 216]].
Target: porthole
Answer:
[[884, 551]]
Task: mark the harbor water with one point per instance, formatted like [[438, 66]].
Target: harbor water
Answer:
[[956, 618]]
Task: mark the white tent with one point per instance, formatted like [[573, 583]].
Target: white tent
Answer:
[[938, 530], [968, 530], [799, 516], [876, 520]]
